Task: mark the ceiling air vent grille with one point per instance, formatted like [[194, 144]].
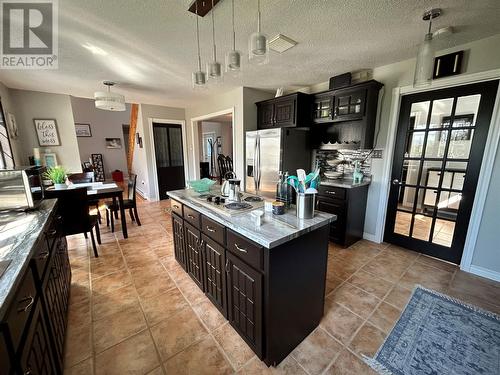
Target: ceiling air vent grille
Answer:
[[280, 43]]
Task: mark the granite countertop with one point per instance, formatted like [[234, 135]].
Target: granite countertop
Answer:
[[346, 183], [19, 232], [274, 231]]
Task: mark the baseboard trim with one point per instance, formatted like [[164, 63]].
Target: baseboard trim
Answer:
[[142, 194], [371, 237], [484, 272]]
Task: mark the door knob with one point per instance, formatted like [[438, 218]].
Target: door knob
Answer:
[[395, 181]]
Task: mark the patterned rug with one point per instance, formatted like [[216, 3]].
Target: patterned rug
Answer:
[[437, 334]]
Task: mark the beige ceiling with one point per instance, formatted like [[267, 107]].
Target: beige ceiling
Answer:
[[148, 46]]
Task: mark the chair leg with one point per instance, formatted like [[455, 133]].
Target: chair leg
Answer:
[[85, 234], [107, 217], [98, 213], [116, 214], [112, 222], [93, 243], [98, 233], [137, 216], [131, 214]]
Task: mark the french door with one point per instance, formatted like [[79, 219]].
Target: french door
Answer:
[[437, 158]]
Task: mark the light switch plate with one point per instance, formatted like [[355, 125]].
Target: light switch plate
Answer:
[[377, 154]]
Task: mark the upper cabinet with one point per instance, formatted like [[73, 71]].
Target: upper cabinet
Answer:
[[323, 107], [285, 111]]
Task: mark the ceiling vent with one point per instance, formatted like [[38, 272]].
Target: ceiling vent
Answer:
[[280, 43]]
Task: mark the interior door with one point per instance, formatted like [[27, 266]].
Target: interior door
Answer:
[[169, 158], [437, 159]]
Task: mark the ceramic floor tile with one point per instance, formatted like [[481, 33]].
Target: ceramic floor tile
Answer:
[[384, 317], [355, 299], [370, 283], [85, 367], [203, 357], [116, 327], [209, 315], [427, 276], [163, 306], [478, 287], [430, 261], [316, 352], [111, 282], [340, 322], [398, 297], [332, 283], [288, 366], [235, 347], [367, 340], [191, 291], [78, 344], [152, 284], [348, 364], [388, 267], [177, 333], [136, 355], [116, 301]]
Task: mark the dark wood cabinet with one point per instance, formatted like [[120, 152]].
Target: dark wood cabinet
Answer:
[[194, 262], [349, 104], [244, 285], [323, 107], [214, 263], [292, 110], [350, 206], [6, 365], [179, 247]]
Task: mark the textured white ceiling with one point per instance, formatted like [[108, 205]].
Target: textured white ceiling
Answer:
[[148, 46]]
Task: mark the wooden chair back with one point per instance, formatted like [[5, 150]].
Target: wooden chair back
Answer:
[[78, 178], [131, 185], [74, 209]]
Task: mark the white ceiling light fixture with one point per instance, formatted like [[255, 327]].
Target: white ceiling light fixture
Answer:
[[109, 101], [214, 68], [281, 43], [233, 57], [199, 77], [258, 46], [425, 56]]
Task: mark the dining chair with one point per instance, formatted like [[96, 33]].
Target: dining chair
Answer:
[[73, 206], [86, 177], [129, 203]]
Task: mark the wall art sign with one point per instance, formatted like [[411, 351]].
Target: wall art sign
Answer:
[[98, 165], [46, 130], [83, 130]]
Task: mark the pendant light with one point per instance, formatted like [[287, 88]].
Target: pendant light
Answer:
[[199, 77], [258, 46], [214, 68], [108, 100], [425, 56], [233, 57]]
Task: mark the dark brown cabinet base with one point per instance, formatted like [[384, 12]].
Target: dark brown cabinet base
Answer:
[[272, 297]]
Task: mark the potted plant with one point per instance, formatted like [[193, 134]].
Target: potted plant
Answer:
[[58, 176]]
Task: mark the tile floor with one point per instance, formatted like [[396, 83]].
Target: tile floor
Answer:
[[134, 310]]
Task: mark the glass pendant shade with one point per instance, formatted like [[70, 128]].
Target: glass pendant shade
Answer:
[[425, 62], [199, 79], [233, 62], [214, 71], [258, 49]]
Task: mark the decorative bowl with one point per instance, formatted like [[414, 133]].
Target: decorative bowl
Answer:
[[333, 162], [201, 186], [333, 175]]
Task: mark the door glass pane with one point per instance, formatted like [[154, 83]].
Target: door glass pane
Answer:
[[466, 111], [436, 143], [409, 174], [414, 144], [441, 112], [161, 147], [418, 115], [460, 143], [443, 232], [448, 205], [458, 170], [429, 197], [406, 198], [175, 135], [430, 173], [422, 227], [402, 223]]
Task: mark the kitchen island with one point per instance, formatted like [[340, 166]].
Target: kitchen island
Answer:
[[268, 280]]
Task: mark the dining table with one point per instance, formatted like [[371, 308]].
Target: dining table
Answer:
[[99, 190]]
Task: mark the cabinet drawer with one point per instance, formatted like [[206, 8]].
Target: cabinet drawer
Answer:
[[245, 249], [20, 308], [332, 192], [176, 207], [4, 355], [41, 257], [213, 229], [192, 216]]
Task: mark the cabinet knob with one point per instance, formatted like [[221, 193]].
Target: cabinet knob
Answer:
[[243, 250], [190, 216], [227, 265], [210, 229], [52, 232], [30, 300]]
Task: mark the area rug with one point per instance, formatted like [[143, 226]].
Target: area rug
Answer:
[[437, 334]]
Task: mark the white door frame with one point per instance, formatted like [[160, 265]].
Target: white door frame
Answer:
[[195, 135], [486, 165], [182, 123]]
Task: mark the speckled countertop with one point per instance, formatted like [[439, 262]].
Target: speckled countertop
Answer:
[[19, 232], [274, 231]]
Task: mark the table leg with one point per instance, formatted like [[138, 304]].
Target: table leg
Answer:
[[122, 215]]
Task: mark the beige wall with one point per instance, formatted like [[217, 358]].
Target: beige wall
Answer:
[[29, 105], [103, 124], [8, 107]]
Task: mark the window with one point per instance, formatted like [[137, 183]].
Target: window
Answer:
[[6, 158]]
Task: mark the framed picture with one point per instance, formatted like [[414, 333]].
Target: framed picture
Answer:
[[83, 130], [49, 159], [13, 129], [46, 130], [98, 166], [113, 143]]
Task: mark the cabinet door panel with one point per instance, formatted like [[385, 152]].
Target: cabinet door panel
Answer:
[[179, 245], [245, 301], [215, 276], [284, 113], [193, 253], [265, 115]]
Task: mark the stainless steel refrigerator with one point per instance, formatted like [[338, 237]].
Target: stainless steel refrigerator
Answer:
[[270, 151]]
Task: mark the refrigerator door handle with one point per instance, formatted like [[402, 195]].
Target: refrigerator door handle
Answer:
[[255, 167], [257, 164]]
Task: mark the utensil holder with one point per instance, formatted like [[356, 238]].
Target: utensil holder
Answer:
[[305, 205]]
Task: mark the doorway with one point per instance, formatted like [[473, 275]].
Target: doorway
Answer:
[[169, 157], [437, 159]]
